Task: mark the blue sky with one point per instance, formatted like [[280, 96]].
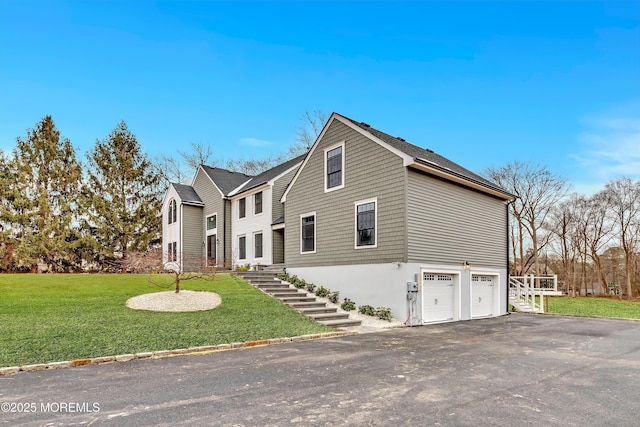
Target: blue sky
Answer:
[[482, 83]]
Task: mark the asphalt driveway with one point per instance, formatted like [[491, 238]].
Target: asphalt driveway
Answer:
[[515, 370]]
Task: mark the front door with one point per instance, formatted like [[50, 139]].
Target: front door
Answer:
[[211, 250]]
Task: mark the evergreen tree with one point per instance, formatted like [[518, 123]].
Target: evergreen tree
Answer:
[[42, 187], [122, 197]]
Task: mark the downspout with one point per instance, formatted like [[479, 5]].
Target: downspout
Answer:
[[507, 247], [224, 231], [181, 263]]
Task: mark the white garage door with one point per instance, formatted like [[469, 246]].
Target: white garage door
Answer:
[[482, 295], [437, 297]]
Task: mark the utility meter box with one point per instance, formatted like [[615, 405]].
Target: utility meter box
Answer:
[[412, 286]]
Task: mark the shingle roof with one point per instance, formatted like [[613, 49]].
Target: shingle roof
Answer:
[[187, 194], [426, 156], [268, 175], [226, 180]]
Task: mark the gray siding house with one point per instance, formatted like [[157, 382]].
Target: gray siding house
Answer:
[[388, 223], [382, 221], [203, 224]]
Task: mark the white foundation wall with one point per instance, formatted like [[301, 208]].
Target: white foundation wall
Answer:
[[385, 285]]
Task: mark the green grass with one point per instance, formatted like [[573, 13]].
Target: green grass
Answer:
[[56, 317], [593, 307]]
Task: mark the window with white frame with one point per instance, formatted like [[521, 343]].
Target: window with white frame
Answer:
[[172, 252], [257, 203], [242, 247], [257, 245], [334, 168], [173, 211], [242, 208], [366, 219], [212, 222], [308, 233]]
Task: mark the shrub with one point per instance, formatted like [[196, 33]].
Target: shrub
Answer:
[[367, 310], [322, 292], [348, 305], [285, 277], [333, 297], [310, 287], [383, 313]]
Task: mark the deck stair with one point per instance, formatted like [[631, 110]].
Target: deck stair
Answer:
[[297, 299], [526, 293]]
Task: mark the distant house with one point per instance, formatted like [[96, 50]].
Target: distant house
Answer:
[[367, 212], [380, 220]]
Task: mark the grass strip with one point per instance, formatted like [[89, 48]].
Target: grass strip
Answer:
[[55, 317], [593, 307]]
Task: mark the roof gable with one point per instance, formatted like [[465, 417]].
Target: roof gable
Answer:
[[269, 175], [224, 179], [187, 194], [413, 156]]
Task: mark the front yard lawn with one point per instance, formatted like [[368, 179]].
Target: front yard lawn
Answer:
[[56, 317], [593, 307]]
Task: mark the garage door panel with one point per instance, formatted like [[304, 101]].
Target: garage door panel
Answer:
[[482, 295], [437, 297]]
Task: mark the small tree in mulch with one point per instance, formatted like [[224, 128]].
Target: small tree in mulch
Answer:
[[151, 263]]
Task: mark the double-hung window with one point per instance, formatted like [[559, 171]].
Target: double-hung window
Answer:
[[308, 233], [257, 243], [242, 208], [334, 168], [366, 220], [257, 203], [173, 211], [242, 247], [172, 252]]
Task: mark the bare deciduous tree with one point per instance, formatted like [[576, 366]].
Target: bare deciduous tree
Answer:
[[307, 134], [624, 199], [537, 191]]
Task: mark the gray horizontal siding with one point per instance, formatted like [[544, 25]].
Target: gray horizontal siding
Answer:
[[370, 171], [277, 191], [213, 202], [192, 237], [450, 224]]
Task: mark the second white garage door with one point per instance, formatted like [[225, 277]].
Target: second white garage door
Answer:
[[438, 297], [482, 295]]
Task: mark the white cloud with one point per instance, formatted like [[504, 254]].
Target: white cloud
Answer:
[[254, 142], [611, 145]]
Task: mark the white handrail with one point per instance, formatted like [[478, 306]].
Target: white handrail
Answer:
[[526, 292]]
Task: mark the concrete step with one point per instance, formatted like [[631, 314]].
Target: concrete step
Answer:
[[340, 323], [261, 278], [328, 316], [282, 293], [302, 305], [316, 310], [288, 300], [274, 285]]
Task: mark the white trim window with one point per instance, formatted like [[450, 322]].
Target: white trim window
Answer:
[[334, 168], [172, 252], [366, 221], [173, 211], [242, 247], [257, 245], [257, 203], [212, 223], [308, 233], [242, 207]]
